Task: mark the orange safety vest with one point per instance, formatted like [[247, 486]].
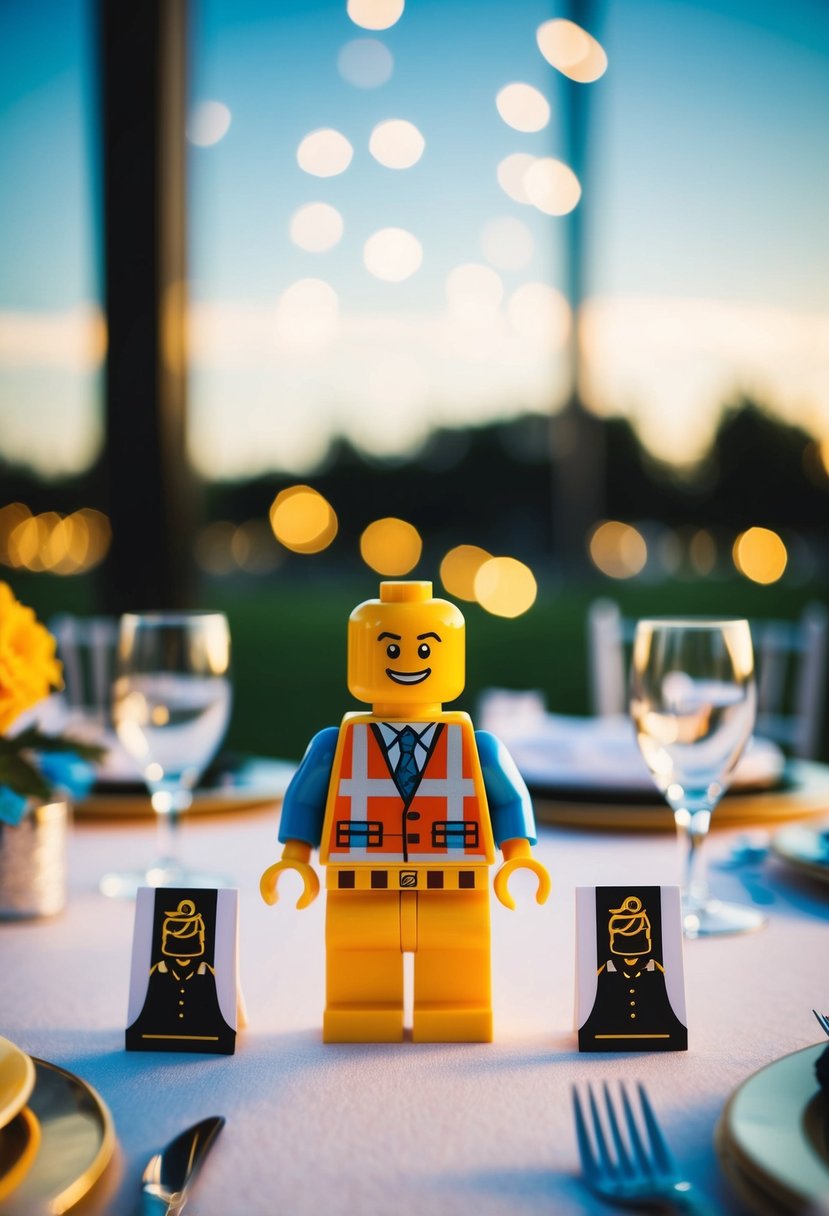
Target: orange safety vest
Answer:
[[371, 829]]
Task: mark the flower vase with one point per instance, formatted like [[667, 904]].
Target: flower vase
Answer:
[[33, 862]]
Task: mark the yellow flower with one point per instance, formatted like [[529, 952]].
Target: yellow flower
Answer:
[[29, 669]]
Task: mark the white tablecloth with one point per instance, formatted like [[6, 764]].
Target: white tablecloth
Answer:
[[388, 1129]]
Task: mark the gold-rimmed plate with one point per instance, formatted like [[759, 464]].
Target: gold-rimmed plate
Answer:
[[803, 794], [775, 1132], [17, 1078], [19, 1142], [805, 848], [252, 785], [77, 1141]]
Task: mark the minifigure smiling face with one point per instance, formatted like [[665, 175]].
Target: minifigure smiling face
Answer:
[[406, 649]]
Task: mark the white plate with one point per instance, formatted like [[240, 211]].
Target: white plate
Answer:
[[775, 1129], [806, 848]]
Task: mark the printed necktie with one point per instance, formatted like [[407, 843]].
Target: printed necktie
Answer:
[[406, 773]]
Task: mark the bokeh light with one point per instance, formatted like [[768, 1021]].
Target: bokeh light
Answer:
[[308, 315], [375, 14], [507, 243], [459, 569], [224, 548], [505, 587], [253, 547], [392, 254], [540, 313], [523, 107], [11, 515], [95, 535], [27, 542], [316, 227], [702, 552], [57, 544], [618, 549], [571, 50], [209, 122], [760, 555], [512, 171], [303, 520], [365, 63], [552, 186], [474, 294], [214, 548], [391, 546], [324, 153], [396, 143]]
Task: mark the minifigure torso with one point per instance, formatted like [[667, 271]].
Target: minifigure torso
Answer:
[[386, 827]]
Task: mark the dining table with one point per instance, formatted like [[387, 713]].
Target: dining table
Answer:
[[402, 1129]]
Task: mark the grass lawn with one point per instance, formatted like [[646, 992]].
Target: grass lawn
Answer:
[[290, 647], [289, 640]]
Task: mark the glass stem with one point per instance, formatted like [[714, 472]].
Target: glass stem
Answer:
[[169, 805], [167, 839], [693, 826]]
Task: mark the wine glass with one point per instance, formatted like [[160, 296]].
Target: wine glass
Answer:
[[171, 704], [693, 702]]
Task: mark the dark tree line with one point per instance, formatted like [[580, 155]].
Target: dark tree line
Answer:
[[494, 485]]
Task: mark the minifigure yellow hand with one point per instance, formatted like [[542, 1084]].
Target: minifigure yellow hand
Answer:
[[517, 856], [294, 857]]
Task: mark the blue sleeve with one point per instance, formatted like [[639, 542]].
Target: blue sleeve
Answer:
[[510, 807], [303, 806]]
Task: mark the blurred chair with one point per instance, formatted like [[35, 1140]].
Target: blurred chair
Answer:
[[791, 662], [87, 648]]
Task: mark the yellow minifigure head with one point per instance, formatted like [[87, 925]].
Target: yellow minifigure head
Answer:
[[406, 649]]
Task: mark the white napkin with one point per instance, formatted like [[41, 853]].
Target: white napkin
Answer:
[[569, 752]]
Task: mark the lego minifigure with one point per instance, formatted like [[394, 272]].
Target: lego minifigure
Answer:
[[406, 804]]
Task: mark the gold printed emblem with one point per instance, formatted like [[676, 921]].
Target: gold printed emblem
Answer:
[[629, 929], [182, 934]]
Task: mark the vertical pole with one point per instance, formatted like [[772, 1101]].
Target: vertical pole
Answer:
[[143, 70], [578, 438]]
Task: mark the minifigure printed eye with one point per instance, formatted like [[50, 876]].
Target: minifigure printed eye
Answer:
[[424, 650], [393, 650]]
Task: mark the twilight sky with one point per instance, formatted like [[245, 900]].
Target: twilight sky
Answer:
[[705, 210]]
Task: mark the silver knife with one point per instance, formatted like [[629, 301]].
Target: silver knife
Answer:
[[169, 1174]]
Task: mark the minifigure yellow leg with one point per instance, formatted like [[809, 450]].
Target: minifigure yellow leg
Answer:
[[452, 989], [364, 968]]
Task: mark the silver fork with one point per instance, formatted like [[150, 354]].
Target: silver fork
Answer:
[[823, 1019], [636, 1172]]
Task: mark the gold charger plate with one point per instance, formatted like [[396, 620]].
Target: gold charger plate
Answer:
[[805, 848], [17, 1079], [805, 793], [257, 783], [19, 1142], [126, 806], [77, 1141], [774, 1133]]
